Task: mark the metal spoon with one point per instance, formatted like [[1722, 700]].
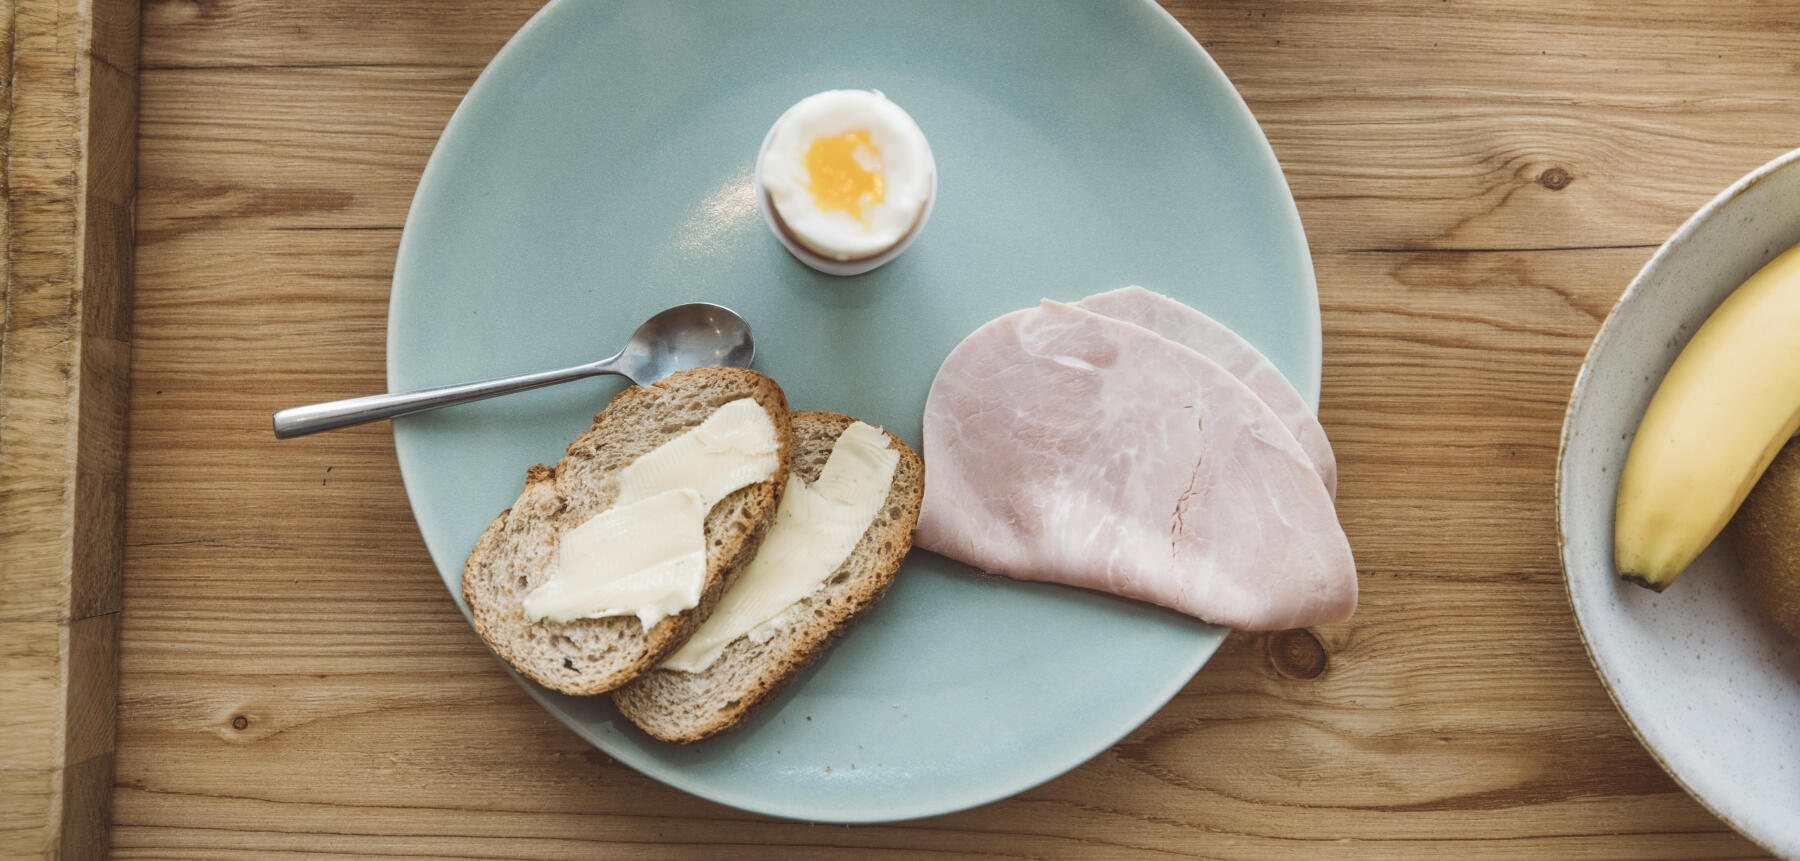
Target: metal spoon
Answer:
[[697, 335]]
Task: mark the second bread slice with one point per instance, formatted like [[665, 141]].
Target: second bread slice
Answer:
[[686, 707]]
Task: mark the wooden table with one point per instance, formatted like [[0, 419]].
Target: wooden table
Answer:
[[1479, 180]]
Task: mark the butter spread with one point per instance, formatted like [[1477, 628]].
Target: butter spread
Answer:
[[646, 555], [645, 559], [734, 447], [815, 529]]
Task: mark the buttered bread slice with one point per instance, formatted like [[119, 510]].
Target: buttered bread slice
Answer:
[[610, 560], [845, 525]]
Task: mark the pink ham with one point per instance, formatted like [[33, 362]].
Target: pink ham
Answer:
[[1212, 339], [1074, 448]]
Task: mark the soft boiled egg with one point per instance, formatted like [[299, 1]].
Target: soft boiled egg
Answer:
[[849, 177]]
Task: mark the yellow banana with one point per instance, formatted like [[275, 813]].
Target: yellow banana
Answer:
[[1728, 404]]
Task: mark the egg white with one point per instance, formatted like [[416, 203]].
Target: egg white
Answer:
[[905, 164]]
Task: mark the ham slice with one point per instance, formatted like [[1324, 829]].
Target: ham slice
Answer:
[[1070, 447], [1212, 339]]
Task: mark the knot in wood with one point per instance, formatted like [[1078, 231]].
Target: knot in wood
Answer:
[[1298, 654], [1555, 179], [240, 723]]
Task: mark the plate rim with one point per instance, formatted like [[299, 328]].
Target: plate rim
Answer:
[[1263, 159], [1577, 394]]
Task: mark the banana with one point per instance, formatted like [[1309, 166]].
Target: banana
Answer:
[[1726, 407]]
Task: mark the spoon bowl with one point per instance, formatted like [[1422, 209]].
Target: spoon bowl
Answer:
[[695, 335]]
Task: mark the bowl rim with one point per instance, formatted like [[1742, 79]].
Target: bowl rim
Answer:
[[1671, 246]]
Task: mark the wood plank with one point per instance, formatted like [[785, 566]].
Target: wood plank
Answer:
[[228, 35], [1478, 181], [1429, 165], [70, 179], [1507, 124]]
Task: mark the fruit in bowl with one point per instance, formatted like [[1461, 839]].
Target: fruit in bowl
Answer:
[[1765, 537], [1727, 405]]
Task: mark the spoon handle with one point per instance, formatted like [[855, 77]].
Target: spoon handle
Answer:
[[331, 415]]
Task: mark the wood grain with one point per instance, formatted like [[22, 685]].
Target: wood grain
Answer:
[[1478, 181], [70, 177]]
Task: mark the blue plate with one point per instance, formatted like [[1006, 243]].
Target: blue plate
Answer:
[[600, 170]]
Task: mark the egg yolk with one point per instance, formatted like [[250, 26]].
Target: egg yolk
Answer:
[[840, 181]]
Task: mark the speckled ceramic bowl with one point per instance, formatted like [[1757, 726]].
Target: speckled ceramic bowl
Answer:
[[1709, 684]]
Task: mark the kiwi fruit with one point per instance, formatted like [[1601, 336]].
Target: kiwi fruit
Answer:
[[1765, 537]]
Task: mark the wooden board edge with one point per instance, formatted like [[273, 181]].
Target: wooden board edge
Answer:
[[69, 182]]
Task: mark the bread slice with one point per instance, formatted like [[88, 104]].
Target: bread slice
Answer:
[[514, 556], [687, 707]]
